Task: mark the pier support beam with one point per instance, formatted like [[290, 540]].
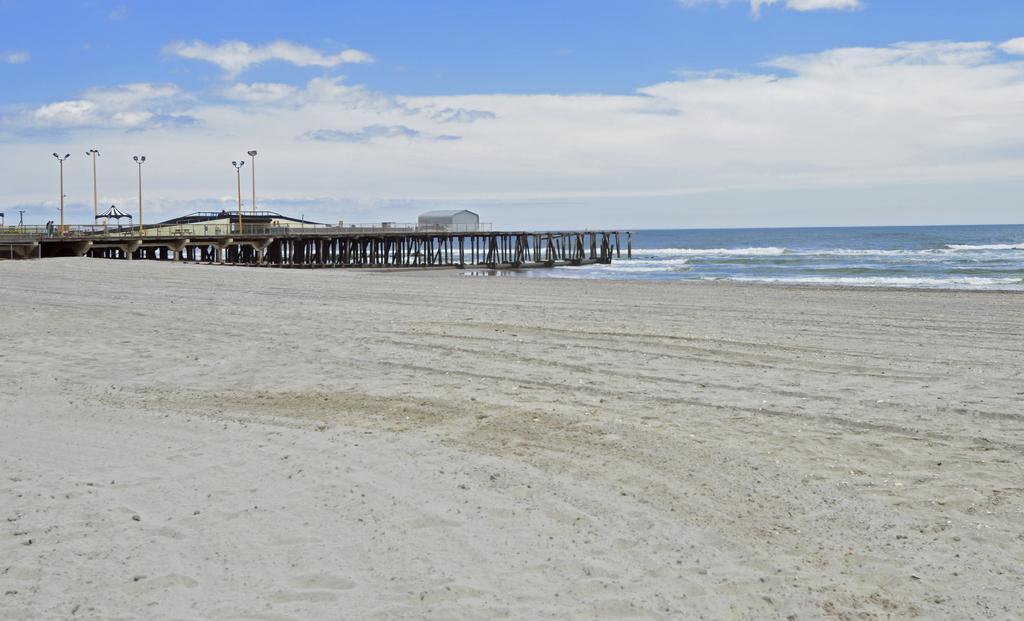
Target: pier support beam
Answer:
[[176, 247], [80, 248], [129, 248], [259, 246], [221, 247], [24, 250]]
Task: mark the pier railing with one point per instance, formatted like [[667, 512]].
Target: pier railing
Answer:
[[199, 230], [413, 227]]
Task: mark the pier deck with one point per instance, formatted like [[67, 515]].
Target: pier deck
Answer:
[[321, 247]]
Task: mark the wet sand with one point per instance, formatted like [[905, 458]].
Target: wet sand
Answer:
[[197, 441]]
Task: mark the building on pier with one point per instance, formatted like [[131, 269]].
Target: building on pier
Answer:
[[215, 223], [453, 221]]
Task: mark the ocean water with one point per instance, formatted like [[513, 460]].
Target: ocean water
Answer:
[[987, 257]]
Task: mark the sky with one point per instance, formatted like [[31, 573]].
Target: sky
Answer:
[[534, 113]]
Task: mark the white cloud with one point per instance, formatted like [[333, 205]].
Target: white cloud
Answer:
[[1013, 46], [373, 132], [461, 115], [818, 5], [15, 58], [260, 92], [130, 95], [74, 112], [907, 53], [334, 91], [128, 106], [925, 113], [328, 90], [795, 5], [236, 57]]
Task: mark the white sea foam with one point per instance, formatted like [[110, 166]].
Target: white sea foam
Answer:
[[668, 252], [639, 266], [660, 262], [775, 251], [967, 247], [857, 252], [884, 281], [630, 269]]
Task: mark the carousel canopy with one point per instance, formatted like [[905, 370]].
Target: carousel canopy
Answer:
[[115, 213]]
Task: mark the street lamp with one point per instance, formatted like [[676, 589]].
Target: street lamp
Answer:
[[140, 159], [252, 157], [60, 161], [238, 174], [95, 208]]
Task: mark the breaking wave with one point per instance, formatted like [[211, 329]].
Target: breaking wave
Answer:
[[669, 252], [775, 251], [883, 281], [968, 247]]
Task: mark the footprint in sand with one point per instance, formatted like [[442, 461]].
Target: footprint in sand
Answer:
[[431, 521], [170, 533], [168, 581], [21, 573], [284, 597], [314, 588], [293, 541], [322, 581]]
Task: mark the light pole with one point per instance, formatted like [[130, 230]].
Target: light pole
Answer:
[[252, 168], [95, 208], [140, 159], [60, 161], [238, 173]]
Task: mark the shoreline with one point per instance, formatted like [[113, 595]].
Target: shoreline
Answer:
[[753, 283], [521, 272]]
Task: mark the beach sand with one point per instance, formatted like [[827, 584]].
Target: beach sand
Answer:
[[191, 441]]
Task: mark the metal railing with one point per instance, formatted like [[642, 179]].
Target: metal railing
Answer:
[[36, 232], [86, 231], [42, 231], [413, 227]]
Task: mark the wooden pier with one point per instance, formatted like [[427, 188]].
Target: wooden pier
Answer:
[[330, 247]]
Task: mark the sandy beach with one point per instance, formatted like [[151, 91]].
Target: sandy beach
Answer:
[[189, 441]]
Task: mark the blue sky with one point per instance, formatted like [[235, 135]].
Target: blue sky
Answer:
[[446, 47], [627, 113]]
